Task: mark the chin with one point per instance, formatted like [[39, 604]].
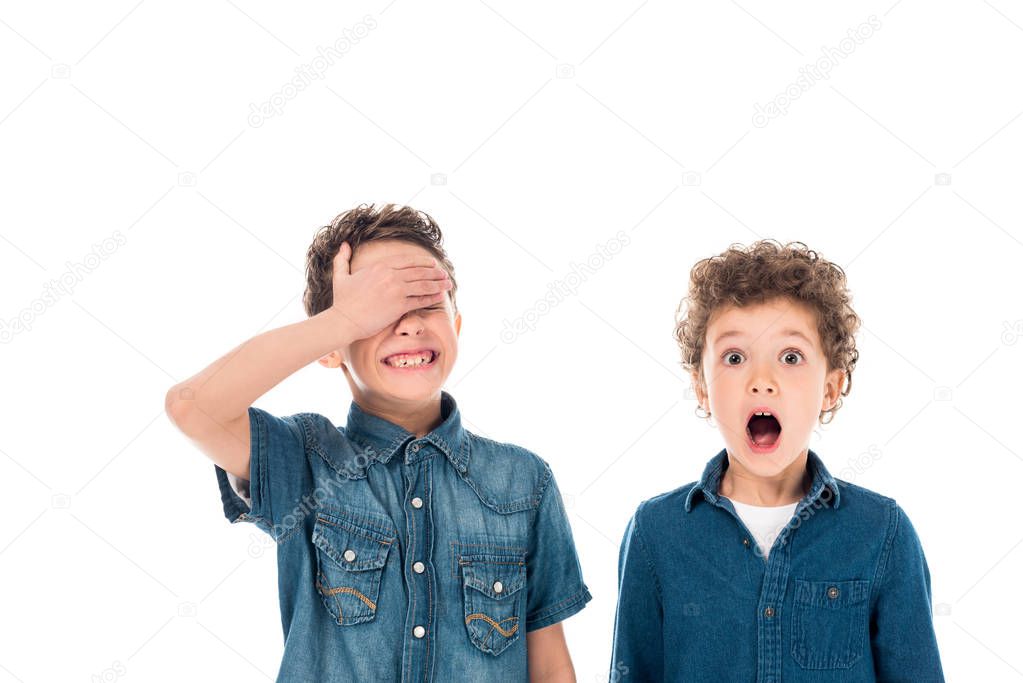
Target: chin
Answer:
[[412, 391]]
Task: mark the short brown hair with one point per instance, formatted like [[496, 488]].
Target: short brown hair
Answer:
[[764, 271], [366, 223]]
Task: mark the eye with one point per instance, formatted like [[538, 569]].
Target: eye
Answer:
[[730, 354], [792, 352]]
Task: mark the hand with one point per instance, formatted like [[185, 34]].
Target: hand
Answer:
[[376, 296]]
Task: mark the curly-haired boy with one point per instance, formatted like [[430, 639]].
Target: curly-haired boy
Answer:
[[768, 568]]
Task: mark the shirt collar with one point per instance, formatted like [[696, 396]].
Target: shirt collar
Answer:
[[384, 438], [711, 479]]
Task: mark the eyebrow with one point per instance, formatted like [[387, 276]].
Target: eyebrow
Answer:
[[783, 333]]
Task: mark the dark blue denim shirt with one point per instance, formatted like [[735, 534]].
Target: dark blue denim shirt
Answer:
[[844, 595], [405, 559]]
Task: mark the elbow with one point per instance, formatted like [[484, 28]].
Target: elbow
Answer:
[[177, 402]]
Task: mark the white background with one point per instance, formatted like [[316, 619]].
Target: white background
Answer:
[[533, 134]]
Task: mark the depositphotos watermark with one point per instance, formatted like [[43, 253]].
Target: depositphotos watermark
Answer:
[[53, 290], [313, 71], [810, 74], [561, 289], [326, 490]]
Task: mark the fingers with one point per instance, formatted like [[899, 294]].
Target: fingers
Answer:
[[426, 287], [423, 273], [343, 260], [415, 262], [415, 302]]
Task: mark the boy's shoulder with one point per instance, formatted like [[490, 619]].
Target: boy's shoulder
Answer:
[[862, 496], [492, 448], [669, 505], [508, 471]]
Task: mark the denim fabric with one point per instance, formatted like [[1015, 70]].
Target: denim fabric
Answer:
[[845, 594], [405, 559]]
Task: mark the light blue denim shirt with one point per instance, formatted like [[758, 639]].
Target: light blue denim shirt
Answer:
[[844, 595], [405, 559]]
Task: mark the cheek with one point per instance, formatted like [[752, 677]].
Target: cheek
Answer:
[[361, 356]]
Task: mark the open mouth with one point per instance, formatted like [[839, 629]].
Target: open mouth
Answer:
[[411, 360], [763, 430]]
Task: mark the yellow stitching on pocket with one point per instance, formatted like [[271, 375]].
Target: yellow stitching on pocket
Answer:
[[493, 623], [345, 589]]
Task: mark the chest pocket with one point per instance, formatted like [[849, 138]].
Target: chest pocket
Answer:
[[492, 583], [350, 559], [829, 623]]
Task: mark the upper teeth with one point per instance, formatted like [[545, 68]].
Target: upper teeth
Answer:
[[765, 412], [405, 360]]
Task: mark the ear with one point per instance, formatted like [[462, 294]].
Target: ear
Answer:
[[699, 389], [458, 324], [334, 359], [833, 385]]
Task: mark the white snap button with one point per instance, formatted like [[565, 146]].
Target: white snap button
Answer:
[[415, 448], [349, 555], [419, 631], [417, 502], [419, 567], [498, 586]]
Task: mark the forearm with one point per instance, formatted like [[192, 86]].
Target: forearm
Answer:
[[225, 390], [558, 673], [547, 652]]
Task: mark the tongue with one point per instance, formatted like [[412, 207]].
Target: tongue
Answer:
[[764, 430]]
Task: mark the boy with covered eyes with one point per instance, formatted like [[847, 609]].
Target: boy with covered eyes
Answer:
[[768, 568], [408, 548]]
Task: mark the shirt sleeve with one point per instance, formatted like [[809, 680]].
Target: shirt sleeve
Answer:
[[637, 652], [279, 476], [554, 581], [902, 630]]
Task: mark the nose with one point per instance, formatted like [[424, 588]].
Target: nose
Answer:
[[410, 324], [763, 384]]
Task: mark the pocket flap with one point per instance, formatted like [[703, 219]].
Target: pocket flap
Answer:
[[355, 547], [831, 594], [496, 576]]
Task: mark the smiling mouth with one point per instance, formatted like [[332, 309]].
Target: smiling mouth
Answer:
[[412, 360]]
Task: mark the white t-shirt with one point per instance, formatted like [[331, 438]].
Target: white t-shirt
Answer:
[[765, 523]]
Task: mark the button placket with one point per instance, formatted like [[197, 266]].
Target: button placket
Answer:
[[419, 522]]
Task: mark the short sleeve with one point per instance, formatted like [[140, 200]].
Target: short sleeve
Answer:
[[279, 475], [902, 634], [555, 588]]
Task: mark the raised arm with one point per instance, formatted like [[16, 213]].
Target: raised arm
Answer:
[[211, 407]]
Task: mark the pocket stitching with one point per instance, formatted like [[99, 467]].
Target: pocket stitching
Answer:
[[350, 534], [509, 598], [851, 601]]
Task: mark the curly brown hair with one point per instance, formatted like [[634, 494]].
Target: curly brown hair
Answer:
[[764, 271], [366, 223]]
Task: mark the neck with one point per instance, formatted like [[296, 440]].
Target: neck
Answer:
[[417, 417], [787, 487]]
